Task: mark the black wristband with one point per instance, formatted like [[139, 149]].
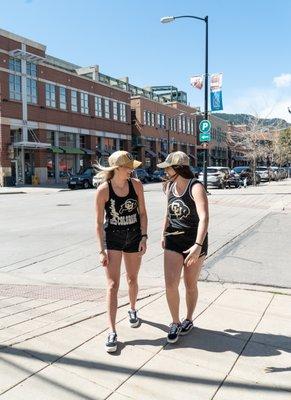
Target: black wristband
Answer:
[[144, 235], [199, 244]]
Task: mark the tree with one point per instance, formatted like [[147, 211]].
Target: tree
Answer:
[[282, 147], [255, 139]]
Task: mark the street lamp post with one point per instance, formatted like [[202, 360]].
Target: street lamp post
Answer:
[[166, 20]]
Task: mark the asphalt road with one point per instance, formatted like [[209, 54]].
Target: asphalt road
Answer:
[[48, 237]]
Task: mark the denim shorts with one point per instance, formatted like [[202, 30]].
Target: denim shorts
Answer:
[[126, 239], [183, 241]]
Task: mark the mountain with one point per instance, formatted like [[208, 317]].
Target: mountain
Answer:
[[247, 119]]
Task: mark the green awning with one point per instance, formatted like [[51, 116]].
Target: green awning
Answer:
[[72, 150], [56, 150]]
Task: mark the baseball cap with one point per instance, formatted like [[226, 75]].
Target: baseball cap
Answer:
[[120, 158], [175, 158]]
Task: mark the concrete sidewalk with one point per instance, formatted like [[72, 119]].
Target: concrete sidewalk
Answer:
[[240, 349]]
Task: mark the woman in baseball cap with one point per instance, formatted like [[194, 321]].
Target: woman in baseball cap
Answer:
[[120, 201], [185, 238]]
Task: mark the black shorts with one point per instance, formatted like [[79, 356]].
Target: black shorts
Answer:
[[184, 241], [126, 239]]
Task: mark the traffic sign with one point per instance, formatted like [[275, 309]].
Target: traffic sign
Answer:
[[205, 126], [205, 137]]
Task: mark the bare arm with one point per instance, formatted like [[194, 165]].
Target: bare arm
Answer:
[[201, 201], [141, 205], [100, 200]]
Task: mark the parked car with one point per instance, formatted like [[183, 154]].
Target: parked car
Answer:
[[283, 173], [83, 179], [247, 172], [158, 175], [288, 172], [96, 181], [216, 176], [196, 171], [264, 173], [233, 180], [275, 173], [142, 175]]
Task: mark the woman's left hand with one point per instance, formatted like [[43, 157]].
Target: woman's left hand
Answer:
[[193, 255], [142, 247]]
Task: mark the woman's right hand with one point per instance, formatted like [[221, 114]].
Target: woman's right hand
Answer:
[[104, 258]]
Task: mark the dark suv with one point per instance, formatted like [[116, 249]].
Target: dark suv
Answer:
[[142, 175], [83, 179], [246, 172]]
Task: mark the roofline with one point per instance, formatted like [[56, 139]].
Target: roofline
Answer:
[[22, 39]]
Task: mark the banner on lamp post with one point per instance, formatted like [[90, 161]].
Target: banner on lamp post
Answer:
[[216, 81], [197, 81], [216, 100]]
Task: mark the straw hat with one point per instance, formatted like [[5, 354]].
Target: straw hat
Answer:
[[118, 159]]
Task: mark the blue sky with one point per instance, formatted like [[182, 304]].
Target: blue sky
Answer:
[[249, 41]]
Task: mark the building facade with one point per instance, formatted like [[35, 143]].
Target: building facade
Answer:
[[159, 128], [55, 116]]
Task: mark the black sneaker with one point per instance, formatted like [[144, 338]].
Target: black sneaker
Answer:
[[174, 333], [133, 318], [111, 344], [187, 326]]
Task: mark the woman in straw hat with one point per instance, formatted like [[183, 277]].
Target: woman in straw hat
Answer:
[[120, 200], [185, 239]]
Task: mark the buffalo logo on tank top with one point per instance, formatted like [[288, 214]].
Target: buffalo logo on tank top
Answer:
[[178, 209], [127, 207]]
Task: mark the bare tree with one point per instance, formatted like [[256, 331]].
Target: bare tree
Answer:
[[255, 139], [282, 147]]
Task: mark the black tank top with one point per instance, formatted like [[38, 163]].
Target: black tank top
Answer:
[[182, 212], [122, 212]]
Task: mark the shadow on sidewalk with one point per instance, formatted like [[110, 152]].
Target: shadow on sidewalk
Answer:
[[262, 344], [109, 367]]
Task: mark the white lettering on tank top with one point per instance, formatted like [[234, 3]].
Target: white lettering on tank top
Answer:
[[122, 220], [178, 209]]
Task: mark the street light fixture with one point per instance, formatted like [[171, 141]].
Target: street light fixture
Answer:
[[169, 19]]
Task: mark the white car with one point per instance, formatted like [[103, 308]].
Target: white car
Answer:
[[216, 176], [96, 181], [264, 173]]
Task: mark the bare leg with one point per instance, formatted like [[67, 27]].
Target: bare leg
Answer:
[[191, 275], [132, 265], [113, 278], [173, 263]]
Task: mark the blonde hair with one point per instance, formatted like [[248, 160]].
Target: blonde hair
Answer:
[[105, 176]]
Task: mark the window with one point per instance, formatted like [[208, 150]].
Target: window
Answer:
[[115, 110], [14, 65], [31, 69], [123, 112], [74, 100], [106, 108], [180, 123], [149, 118], [153, 119], [84, 103], [31, 90], [63, 98], [187, 125], [192, 127], [14, 87], [161, 120], [183, 124], [67, 139], [50, 95], [98, 106], [144, 117]]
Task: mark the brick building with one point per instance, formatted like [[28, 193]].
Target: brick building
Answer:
[[161, 127], [54, 115]]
